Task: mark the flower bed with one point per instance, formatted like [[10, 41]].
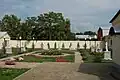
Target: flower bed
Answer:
[[33, 58], [52, 52], [61, 59]]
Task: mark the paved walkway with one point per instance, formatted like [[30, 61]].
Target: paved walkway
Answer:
[[68, 71]]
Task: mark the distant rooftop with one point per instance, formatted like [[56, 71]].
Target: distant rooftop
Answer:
[[86, 36], [2, 34]]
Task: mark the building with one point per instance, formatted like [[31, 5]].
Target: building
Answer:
[[102, 32], [115, 43], [5, 41], [103, 35], [83, 37]]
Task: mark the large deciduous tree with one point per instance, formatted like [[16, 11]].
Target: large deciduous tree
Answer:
[[46, 26], [11, 24]]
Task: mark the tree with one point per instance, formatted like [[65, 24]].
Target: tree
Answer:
[[46, 26], [79, 33], [54, 26], [11, 24], [32, 30], [89, 33]]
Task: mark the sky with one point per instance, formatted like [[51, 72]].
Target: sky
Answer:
[[84, 14]]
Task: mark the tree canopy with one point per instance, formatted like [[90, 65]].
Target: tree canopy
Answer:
[[46, 26], [89, 33], [86, 33]]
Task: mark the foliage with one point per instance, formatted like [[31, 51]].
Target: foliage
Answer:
[[32, 58], [62, 51], [89, 33], [11, 24], [84, 55], [79, 33], [51, 53], [46, 26], [91, 57], [98, 57]]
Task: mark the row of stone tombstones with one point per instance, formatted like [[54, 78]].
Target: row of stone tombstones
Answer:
[[63, 46]]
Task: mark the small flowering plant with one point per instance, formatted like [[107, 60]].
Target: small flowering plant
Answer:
[[61, 59]]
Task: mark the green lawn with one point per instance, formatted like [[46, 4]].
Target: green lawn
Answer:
[[10, 73], [69, 58]]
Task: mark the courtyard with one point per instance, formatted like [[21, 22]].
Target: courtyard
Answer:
[[68, 71], [47, 69]]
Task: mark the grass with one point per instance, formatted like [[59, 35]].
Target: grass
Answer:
[[16, 51], [10, 73], [69, 58]]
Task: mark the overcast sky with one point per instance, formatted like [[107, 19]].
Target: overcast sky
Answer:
[[84, 14]]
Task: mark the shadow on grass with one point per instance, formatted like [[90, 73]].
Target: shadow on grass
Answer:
[[102, 70]]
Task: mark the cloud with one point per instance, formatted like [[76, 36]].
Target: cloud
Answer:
[[84, 14]]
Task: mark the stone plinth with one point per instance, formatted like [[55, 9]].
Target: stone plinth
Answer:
[[107, 55]]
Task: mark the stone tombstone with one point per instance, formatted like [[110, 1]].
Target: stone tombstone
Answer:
[[70, 46], [8, 50], [42, 45], [107, 54], [23, 49], [59, 46], [92, 49]]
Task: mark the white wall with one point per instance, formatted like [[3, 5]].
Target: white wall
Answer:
[[116, 48], [13, 43]]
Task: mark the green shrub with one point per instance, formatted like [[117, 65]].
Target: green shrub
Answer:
[[98, 57], [51, 53], [84, 58]]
